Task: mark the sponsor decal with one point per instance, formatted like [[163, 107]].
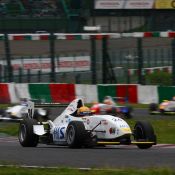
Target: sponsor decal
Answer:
[[112, 130], [104, 122], [86, 120], [139, 4], [117, 131], [68, 120], [124, 4], [165, 4], [123, 126], [71, 108], [58, 133], [109, 4], [134, 4], [117, 119]]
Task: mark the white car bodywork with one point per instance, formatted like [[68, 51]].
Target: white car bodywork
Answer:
[[167, 105], [106, 129], [15, 113], [105, 126]]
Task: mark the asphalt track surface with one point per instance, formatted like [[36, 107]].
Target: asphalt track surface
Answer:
[[104, 157]]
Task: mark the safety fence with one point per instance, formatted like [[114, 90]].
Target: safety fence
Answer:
[[109, 57], [65, 93]]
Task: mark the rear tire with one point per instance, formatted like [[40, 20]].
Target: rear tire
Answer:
[[25, 135], [143, 131], [153, 107], [75, 134], [129, 114]]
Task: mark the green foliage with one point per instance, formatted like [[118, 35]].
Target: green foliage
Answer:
[[9, 128], [159, 78]]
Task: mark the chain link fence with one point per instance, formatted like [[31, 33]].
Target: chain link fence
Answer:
[[80, 61]]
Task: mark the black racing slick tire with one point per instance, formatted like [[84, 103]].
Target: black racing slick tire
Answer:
[[25, 135], [144, 132], [153, 107], [75, 134], [129, 115]]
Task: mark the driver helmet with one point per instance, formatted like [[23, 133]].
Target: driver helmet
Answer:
[[108, 102], [83, 111]]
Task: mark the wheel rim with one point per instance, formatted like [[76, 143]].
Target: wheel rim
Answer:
[[70, 135], [22, 133]]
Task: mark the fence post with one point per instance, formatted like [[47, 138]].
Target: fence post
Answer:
[[5, 74], [93, 59], [8, 57], [173, 61], [39, 75], [104, 62], [52, 56], [28, 75], [20, 75], [140, 61]]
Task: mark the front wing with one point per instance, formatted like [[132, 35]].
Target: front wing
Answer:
[[131, 143]]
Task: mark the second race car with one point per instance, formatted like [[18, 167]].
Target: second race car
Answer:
[[165, 107], [110, 107], [17, 112]]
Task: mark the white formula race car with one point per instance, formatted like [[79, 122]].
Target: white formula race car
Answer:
[[88, 131], [17, 112], [166, 107]]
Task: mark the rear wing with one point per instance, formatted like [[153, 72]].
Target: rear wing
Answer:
[[40, 103], [50, 105]]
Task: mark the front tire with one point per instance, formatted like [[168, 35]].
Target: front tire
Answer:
[[129, 115], [153, 107], [143, 131], [76, 134], [25, 135]]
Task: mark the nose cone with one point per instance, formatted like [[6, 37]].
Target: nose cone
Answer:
[[119, 125]]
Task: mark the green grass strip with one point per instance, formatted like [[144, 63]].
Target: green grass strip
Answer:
[[69, 171]]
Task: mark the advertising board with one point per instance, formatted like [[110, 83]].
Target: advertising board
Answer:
[[134, 4], [62, 64]]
